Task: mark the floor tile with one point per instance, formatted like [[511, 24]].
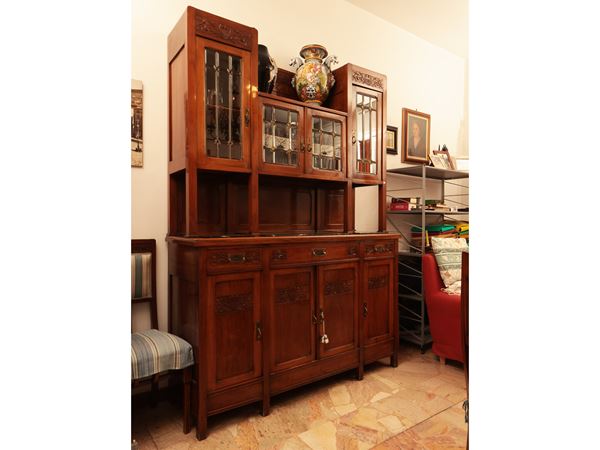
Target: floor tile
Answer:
[[417, 405]]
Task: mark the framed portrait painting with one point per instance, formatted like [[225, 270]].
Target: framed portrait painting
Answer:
[[415, 136], [391, 140]]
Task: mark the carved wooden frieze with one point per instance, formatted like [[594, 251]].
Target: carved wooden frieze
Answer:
[[379, 249], [369, 80], [220, 30], [339, 287], [233, 303], [293, 294], [246, 257], [378, 282]]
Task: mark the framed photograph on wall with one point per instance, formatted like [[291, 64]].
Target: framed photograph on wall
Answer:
[[137, 120], [391, 140], [444, 157], [415, 136]]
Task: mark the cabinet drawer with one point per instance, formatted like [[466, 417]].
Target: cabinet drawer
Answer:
[[312, 253], [379, 248], [233, 259]]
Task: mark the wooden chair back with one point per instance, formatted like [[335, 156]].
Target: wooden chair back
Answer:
[[143, 275]]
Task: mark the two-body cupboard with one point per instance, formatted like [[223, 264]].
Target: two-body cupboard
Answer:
[[267, 278]]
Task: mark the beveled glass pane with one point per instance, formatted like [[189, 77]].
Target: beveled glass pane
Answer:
[[209, 76], [211, 131], [366, 129], [280, 115], [280, 133], [359, 146], [223, 101], [373, 154], [223, 62], [337, 146], [236, 86], [316, 141], [236, 135]]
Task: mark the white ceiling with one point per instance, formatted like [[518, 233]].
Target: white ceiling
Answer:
[[442, 22]]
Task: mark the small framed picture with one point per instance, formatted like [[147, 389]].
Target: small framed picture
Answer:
[[415, 136], [391, 140], [444, 157], [137, 137]]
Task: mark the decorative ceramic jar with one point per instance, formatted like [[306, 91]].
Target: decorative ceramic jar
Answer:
[[267, 70], [313, 79]]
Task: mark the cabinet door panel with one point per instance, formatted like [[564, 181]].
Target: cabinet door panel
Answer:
[[234, 351], [378, 300], [367, 133], [281, 141], [223, 106], [338, 302], [326, 144], [292, 307]]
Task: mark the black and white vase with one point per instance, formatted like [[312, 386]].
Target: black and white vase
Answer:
[[267, 70]]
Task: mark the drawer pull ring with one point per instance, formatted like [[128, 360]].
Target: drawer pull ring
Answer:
[[319, 252]]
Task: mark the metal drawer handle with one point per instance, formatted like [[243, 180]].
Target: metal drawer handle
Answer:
[[319, 252], [247, 116], [236, 258], [258, 331], [279, 254], [380, 249], [365, 310]]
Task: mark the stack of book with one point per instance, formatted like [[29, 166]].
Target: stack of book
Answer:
[[462, 230], [443, 230], [404, 203]]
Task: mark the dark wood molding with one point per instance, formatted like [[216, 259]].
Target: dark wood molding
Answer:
[[223, 30], [367, 79]]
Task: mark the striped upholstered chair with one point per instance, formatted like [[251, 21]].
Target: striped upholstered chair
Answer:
[[155, 352]]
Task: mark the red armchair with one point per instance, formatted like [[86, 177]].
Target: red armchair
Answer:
[[444, 313]]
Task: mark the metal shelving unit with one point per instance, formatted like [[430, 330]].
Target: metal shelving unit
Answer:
[[413, 321]]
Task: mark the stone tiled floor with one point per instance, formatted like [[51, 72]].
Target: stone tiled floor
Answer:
[[417, 405]]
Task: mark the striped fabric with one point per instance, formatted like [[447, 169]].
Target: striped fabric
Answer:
[[141, 275], [154, 351]]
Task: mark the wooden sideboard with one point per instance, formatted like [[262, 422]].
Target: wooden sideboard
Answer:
[[256, 310], [268, 279]]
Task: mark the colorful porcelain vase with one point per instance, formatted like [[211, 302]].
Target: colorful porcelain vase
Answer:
[[313, 79]]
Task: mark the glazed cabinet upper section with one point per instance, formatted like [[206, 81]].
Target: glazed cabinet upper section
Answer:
[[219, 121], [212, 71], [298, 140]]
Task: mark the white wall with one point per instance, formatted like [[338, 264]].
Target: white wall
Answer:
[[420, 76]]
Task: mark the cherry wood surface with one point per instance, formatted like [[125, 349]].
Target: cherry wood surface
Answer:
[[263, 258]]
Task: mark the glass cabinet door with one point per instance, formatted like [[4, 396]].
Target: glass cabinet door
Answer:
[[225, 137], [326, 148], [281, 140], [366, 136]]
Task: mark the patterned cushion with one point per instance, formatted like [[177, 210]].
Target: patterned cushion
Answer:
[[141, 275], [154, 351], [448, 254]]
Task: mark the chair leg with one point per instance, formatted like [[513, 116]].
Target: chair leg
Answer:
[[154, 391], [187, 378]]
